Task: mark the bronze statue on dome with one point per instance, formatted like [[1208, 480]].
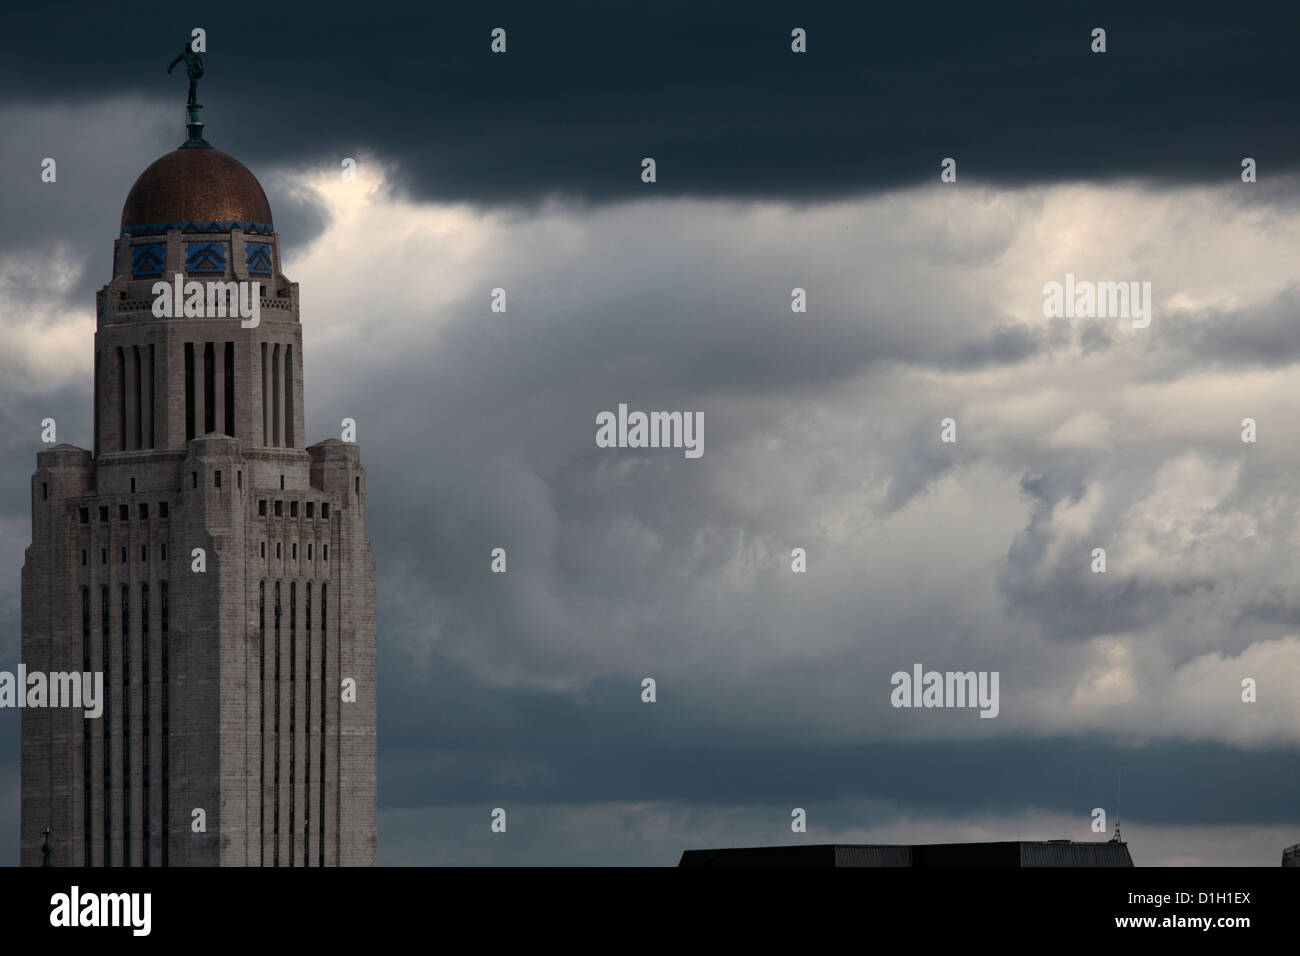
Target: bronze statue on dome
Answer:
[[193, 67]]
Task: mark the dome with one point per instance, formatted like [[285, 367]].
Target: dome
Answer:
[[191, 185]]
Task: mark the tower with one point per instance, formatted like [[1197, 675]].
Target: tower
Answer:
[[212, 566]]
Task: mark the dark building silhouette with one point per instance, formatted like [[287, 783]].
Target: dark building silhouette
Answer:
[[1291, 856], [1026, 853]]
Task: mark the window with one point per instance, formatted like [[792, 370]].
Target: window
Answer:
[[239, 480], [295, 551], [216, 479], [277, 549], [357, 484], [121, 394], [325, 509], [132, 486], [209, 389], [267, 434], [308, 552], [311, 509], [144, 511], [124, 555], [144, 552], [45, 491], [229, 367], [149, 397], [325, 551], [194, 478], [261, 508], [263, 549], [103, 555], [124, 512], [164, 551], [83, 559], [103, 512], [288, 405], [162, 509], [189, 390], [83, 515], [279, 509], [282, 482], [293, 509]]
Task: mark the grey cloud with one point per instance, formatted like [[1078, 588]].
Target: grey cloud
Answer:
[[1266, 335]]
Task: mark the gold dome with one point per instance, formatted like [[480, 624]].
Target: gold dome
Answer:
[[195, 185]]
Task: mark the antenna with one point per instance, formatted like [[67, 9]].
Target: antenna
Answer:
[[1119, 779]]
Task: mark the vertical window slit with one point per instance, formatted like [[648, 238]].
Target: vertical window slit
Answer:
[[189, 390], [277, 404], [209, 389], [138, 425], [266, 398], [121, 398], [288, 396], [153, 396], [230, 388]]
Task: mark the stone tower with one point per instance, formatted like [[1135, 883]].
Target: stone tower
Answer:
[[222, 686]]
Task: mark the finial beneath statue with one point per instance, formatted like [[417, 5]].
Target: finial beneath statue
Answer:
[[194, 68]]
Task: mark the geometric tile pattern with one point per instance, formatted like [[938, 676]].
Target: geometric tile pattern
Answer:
[[147, 260], [258, 258], [199, 227], [205, 258]]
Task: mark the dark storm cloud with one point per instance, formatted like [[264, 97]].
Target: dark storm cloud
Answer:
[[69, 223], [451, 740], [712, 92]]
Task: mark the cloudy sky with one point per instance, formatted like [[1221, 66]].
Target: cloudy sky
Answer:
[[775, 170]]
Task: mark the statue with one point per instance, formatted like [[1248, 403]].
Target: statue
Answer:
[[194, 67], [46, 849]]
